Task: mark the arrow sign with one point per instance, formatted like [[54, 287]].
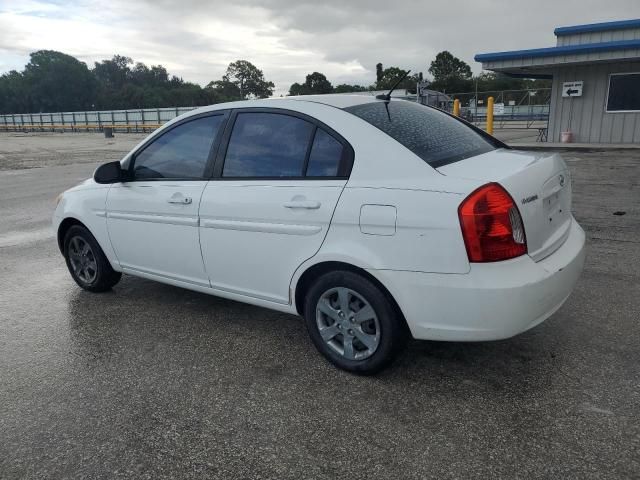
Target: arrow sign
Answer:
[[572, 89]]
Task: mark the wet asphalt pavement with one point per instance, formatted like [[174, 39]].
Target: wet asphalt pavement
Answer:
[[151, 381]]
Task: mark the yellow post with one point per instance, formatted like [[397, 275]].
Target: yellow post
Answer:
[[490, 115], [456, 107]]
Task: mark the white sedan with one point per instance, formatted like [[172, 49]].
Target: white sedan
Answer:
[[374, 219]]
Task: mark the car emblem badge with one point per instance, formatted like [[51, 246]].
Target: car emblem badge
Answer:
[[561, 177]]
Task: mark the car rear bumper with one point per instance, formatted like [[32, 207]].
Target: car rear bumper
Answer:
[[494, 300]]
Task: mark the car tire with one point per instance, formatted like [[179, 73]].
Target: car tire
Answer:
[[353, 322], [86, 261]]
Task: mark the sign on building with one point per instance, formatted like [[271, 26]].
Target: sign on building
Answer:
[[572, 89], [498, 108]]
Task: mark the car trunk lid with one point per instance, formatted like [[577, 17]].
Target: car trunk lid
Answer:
[[540, 185]]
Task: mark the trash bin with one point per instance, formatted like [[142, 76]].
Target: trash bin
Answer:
[[566, 137], [108, 132]]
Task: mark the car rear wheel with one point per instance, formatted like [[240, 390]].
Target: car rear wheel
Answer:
[[87, 262], [353, 323]]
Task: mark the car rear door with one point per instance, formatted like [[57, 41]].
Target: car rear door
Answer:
[[278, 178], [153, 217]]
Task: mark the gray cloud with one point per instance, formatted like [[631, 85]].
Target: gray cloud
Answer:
[[196, 39]]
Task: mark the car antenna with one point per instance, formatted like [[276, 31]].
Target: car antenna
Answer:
[[387, 96]]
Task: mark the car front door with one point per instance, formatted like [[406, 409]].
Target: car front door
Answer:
[[277, 182], [153, 218]]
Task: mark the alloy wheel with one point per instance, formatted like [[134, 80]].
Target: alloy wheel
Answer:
[[347, 323], [82, 259]]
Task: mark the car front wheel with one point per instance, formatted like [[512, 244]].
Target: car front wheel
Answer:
[[353, 323], [87, 262]]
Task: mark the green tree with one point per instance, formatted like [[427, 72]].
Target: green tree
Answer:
[[53, 81], [114, 73], [379, 72], [57, 82], [388, 77], [315, 83], [446, 66], [192, 95], [249, 79], [14, 93], [112, 76], [450, 74], [223, 91], [131, 96], [346, 88], [391, 75], [157, 75], [298, 89]]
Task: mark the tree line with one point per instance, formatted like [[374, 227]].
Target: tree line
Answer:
[[53, 82], [316, 83], [449, 73]]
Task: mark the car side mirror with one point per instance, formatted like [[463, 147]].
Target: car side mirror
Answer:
[[111, 172]]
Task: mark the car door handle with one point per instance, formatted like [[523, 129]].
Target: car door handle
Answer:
[[308, 204], [180, 199]]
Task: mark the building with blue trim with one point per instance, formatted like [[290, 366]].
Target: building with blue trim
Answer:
[[605, 57]]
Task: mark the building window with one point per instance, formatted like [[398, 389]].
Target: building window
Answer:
[[624, 92]]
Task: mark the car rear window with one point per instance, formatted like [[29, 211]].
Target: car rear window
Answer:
[[431, 134]]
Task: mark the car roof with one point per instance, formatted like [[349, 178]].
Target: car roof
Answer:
[[333, 100], [336, 100]]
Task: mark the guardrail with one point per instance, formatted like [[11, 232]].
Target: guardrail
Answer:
[[129, 127]]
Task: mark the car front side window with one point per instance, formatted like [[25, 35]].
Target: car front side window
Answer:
[[180, 153]]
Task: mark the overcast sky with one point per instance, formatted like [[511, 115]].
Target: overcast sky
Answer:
[[344, 39]]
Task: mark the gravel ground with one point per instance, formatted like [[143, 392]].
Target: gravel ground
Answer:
[[32, 150], [151, 381]]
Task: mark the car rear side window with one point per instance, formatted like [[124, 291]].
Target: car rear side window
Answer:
[[326, 154], [181, 152], [267, 145], [431, 134]]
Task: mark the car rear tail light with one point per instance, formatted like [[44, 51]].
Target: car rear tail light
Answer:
[[491, 225]]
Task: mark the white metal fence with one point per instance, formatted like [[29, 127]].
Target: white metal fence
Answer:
[[519, 109], [119, 120]]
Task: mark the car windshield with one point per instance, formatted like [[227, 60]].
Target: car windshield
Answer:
[[431, 134]]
